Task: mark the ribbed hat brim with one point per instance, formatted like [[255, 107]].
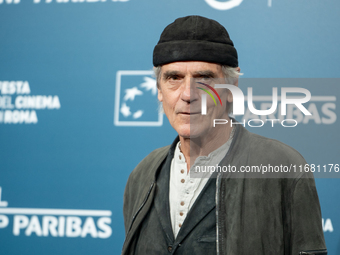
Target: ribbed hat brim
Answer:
[[193, 50]]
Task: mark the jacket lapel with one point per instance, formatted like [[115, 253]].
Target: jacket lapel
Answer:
[[162, 196], [204, 203]]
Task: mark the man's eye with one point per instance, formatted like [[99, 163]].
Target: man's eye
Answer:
[[204, 79], [174, 78]]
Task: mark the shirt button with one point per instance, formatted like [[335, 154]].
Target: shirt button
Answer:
[[170, 248], [182, 181], [182, 171], [187, 191], [181, 214], [180, 225], [180, 157], [182, 203]]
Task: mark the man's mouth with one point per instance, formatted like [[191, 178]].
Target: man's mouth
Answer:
[[189, 113]]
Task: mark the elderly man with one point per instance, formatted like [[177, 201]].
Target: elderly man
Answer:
[[167, 211]]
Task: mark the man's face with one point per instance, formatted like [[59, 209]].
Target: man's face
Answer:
[[182, 100]]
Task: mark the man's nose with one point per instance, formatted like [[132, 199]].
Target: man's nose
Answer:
[[188, 92]]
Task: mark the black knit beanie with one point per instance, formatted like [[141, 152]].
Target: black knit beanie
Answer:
[[195, 38]]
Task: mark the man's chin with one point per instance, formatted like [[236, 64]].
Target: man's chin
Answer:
[[191, 134]]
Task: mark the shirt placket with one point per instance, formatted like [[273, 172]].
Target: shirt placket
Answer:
[[182, 207], [188, 188]]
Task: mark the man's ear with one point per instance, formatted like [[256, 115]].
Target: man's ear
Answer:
[[158, 75], [160, 95], [230, 95], [238, 69]]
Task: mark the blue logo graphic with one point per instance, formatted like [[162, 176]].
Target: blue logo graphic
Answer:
[[136, 102]]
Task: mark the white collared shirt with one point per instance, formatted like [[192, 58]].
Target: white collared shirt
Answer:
[[183, 190]]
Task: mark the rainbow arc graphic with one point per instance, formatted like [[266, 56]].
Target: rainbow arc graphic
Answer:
[[204, 97]]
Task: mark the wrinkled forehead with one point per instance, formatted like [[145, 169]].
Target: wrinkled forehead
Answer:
[[192, 68]]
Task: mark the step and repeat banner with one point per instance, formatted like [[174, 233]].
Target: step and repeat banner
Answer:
[[79, 109]]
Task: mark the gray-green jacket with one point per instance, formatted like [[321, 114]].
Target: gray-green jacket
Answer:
[[254, 215]]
